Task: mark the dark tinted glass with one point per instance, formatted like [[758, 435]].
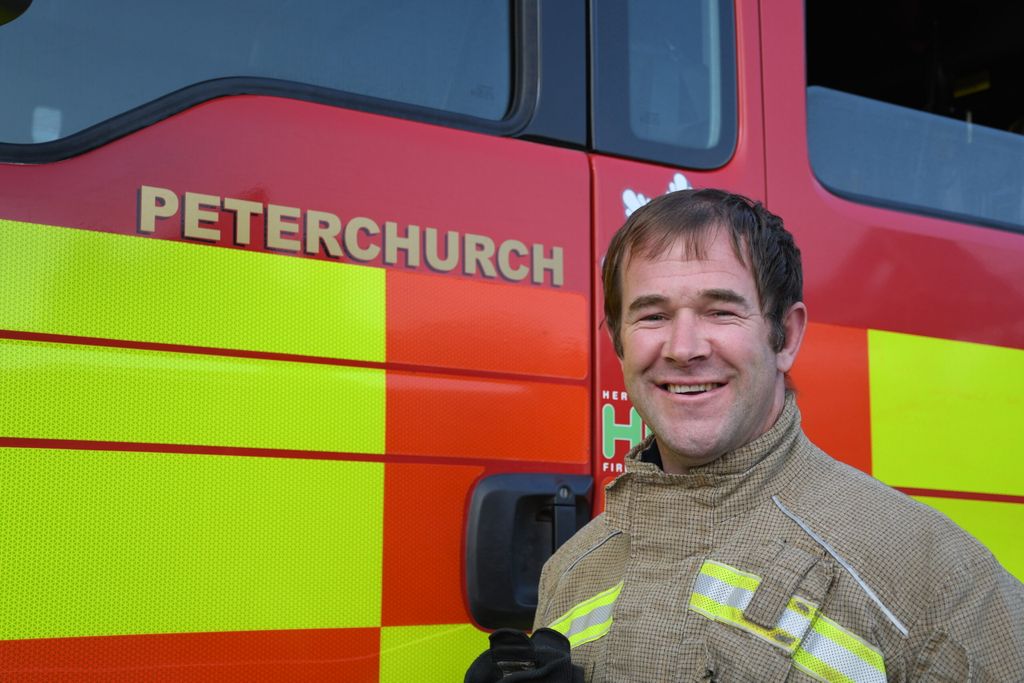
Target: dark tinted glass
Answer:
[[66, 65], [664, 80], [873, 151]]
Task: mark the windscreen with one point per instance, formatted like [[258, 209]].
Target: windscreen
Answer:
[[66, 65]]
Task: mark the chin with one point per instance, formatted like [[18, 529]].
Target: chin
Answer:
[[695, 454]]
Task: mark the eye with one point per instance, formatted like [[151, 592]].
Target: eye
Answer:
[[649, 317], [722, 314]]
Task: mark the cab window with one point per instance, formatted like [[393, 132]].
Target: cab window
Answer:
[[917, 106], [67, 65], [664, 81]]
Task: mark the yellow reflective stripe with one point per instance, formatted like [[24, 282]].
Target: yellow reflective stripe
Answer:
[[786, 635], [731, 575], [605, 597], [818, 645], [832, 654], [817, 669], [714, 610], [590, 619], [95, 284], [850, 642], [99, 393], [590, 634]]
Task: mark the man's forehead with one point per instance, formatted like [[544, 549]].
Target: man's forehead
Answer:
[[693, 245]]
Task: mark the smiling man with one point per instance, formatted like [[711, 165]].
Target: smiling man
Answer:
[[733, 549]]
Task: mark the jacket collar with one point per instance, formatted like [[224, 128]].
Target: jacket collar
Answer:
[[734, 482], [644, 457]]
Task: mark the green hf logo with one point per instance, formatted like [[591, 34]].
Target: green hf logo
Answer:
[[632, 432]]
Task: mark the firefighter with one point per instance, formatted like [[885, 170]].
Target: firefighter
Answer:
[[732, 548]]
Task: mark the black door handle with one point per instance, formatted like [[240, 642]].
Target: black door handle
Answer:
[[515, 523]]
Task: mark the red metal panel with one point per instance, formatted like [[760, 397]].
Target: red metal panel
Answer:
[[831, 380], [484, 326], [424, 513], [481, 418], [300, 655]]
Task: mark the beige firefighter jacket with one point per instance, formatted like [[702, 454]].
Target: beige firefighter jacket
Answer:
[[778, 563]]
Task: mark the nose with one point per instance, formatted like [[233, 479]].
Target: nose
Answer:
[[687, 341]]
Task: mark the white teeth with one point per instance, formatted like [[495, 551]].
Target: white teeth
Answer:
[[690, 388]]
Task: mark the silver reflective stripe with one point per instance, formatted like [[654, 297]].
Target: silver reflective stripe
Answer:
[[846, 565], [793, 622], [819, 646], [721, 592], [590, 619], [590, 550], [596, 616], [716, 597]]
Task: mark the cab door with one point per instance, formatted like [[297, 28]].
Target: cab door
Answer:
[[263, 330], [676, 103]]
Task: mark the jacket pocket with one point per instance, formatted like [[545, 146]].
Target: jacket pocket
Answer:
[[694, 664], [943, 661]]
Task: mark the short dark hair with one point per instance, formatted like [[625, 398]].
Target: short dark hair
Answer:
[[759, 239]]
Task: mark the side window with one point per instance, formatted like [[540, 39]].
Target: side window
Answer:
[[664, 80], [66, 65], [918, 106]]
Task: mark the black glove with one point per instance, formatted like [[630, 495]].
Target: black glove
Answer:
[[515, 657]]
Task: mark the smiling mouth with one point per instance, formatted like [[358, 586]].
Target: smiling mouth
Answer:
[[690, 388]]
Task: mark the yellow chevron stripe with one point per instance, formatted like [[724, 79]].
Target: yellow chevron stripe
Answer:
[[110, 543], [449, 648], [96, 393], [94, 284], [938, 405]]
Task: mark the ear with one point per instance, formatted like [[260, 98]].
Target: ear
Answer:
[[795, 324]]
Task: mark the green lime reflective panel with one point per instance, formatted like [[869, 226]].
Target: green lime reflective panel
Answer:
[[437, 653], [946, 415], [113, 542], [98, 393], [95, 284], [996, 524]]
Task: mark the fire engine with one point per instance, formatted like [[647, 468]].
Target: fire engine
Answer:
[[302, 365]]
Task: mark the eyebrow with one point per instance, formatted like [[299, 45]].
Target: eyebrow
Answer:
[[727, 296], [722, 295], [645, 301]]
